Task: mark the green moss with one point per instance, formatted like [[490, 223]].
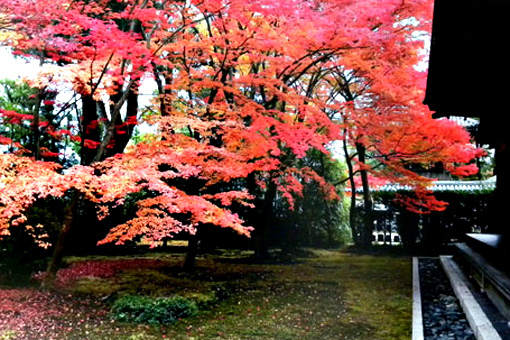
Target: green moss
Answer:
[[331, 295], [95, 286]]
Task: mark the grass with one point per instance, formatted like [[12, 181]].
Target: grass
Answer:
[[325, 295]]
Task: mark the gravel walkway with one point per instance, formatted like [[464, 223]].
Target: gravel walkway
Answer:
[[443, 318]]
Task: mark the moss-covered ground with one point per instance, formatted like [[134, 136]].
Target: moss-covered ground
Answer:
[[319, 295]]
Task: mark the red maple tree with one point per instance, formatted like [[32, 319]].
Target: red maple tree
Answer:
[[245, 89]]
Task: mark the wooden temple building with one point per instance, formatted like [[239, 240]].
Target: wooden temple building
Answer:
[[469, 76]]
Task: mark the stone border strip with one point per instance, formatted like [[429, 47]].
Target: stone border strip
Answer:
[[480, 324], [417, 311]]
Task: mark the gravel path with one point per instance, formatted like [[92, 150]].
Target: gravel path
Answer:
[[443, 318]]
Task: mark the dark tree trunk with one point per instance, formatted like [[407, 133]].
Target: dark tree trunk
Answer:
[[192, 252], [256, 218], [90, 130], [352, 209], [60, 245], [124, 128], [261, 246], [36, 133], [368, 217]]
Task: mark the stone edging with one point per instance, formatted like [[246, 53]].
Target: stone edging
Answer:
[[480, 324], [417, 311]]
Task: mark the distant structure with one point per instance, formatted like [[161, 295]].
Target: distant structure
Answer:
[[469, 76], [437, 228]]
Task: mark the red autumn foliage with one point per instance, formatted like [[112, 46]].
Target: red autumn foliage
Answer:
[[66, 277], [29, 314], [245, 89]]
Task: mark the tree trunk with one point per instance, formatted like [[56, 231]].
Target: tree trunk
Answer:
[[36, 134], [124, 128], [192, 252], [352, 208], [90, 130], [60, 245], [267, 219], [368, 205]]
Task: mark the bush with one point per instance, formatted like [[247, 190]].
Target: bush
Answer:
[[161, 310]]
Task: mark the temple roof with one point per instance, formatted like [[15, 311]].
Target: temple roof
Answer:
[[441, 185], [451, 185]]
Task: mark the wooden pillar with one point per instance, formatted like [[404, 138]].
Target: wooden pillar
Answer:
[[501, 222]]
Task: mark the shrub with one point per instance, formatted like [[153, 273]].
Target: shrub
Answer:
[[161, 310]]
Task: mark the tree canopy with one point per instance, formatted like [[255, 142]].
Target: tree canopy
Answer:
[[245, 90]]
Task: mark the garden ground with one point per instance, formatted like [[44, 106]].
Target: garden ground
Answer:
[[319, 294]]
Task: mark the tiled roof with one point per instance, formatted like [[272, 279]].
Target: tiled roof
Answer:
[[464, 121], [450, 185]]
